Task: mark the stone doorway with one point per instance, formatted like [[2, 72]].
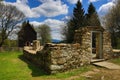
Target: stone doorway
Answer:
[[96, 45]]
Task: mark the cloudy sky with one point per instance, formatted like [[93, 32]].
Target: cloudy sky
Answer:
[[55, 12]]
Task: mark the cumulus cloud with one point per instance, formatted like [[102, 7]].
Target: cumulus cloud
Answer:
[[22, 1], [66, 18], [55, 25], [22, 6], [112, 0], [48, 8], [73, 1], [105, 8], [35, 23], [93, 0]]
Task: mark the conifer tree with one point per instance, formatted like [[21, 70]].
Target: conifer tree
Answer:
[[77, 21], [78, 16], [92, 18], [26, 35]]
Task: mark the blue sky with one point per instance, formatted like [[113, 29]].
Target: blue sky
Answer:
[[55, 12]]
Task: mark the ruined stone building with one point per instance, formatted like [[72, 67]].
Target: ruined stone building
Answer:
[[89, 43], [100, 45]]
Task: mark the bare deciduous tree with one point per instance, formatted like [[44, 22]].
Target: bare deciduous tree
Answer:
[[9, 17], [112, 22]]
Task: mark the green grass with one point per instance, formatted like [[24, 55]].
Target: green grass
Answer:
[[116, 61], [14, 67], [74, 72]]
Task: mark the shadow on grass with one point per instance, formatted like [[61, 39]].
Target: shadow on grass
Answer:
[[36, 71]]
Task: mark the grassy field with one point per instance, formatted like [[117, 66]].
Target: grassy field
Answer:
[[116, 61], [14, 67]]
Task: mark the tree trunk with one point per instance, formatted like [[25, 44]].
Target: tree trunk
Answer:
[[1, 43]]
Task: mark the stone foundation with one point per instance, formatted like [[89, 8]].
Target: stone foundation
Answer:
[[59, 57]]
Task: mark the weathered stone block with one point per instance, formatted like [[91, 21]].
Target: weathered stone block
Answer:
[[61, 61], [56, 67]]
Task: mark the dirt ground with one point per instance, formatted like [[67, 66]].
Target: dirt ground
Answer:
[[102, 74], [95, 74]]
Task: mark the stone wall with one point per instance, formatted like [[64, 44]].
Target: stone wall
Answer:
[[86, 41], [59, 57], [116, 53], [107, 48]]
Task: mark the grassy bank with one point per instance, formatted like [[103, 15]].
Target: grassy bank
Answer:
[[14, 67], [116, 61]]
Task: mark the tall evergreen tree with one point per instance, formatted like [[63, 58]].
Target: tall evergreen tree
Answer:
[[26, 35], [78, 16], [77, 21], [92, 18]]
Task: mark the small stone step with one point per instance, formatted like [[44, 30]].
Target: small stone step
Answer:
[[107, 65], [97, 60]]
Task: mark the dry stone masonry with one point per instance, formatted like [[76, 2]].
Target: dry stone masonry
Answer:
[[54, 58], [59, 57]]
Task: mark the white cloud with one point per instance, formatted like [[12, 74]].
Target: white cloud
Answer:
[[66, 18], [22, 1], [48, 8], [73, 1], [112, 0], [55, 25], [105, 8], [22, 6], [93, 0], [35, 23]]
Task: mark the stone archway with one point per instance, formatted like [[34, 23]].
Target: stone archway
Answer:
[[96, 45]]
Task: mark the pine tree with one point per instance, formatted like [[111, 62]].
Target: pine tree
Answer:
[[92, 18], [26, 35], [78, 16], [77, 21]]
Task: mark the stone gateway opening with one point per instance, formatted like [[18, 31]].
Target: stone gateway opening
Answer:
[[96, 38]]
